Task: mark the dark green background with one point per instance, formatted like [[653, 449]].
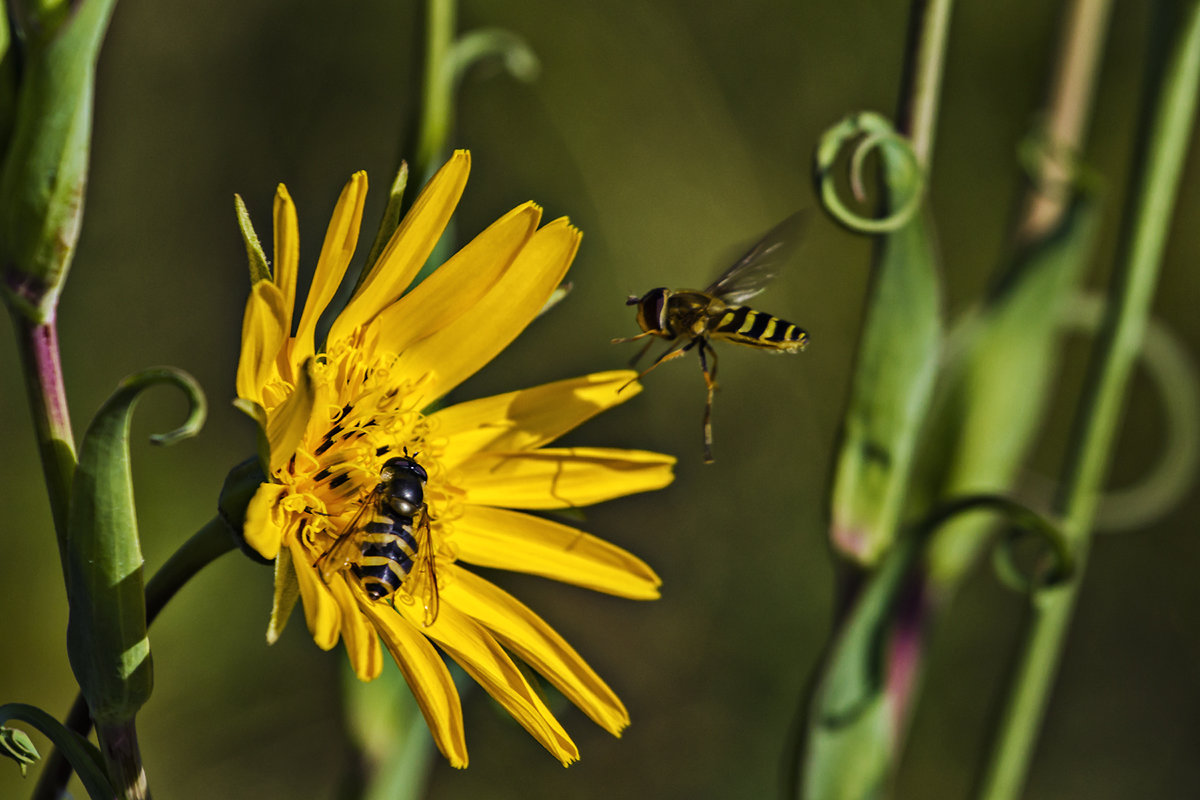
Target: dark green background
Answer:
[[670, 133]]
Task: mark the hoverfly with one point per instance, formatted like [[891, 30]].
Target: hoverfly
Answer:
[[384, 540], [692, 319]]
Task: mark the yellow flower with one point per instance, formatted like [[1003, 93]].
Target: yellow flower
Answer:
[[331, 418]]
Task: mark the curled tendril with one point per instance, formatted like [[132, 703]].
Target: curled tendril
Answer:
[[902, 174], [1023, 521], [197, 405], [513, 52]]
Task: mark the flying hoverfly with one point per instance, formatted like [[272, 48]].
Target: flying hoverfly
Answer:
[[692, 319], [389, 536]]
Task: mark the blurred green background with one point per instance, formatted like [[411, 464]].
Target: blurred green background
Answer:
[[672, 133]]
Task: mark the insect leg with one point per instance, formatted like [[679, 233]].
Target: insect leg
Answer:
[[624, 339], [671, 353], [710, 383]]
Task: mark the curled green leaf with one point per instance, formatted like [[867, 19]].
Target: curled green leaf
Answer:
[[1003, 361], [81, 754], [894, 371], [1022, 521], [106, 630], [1172, 371], [16, 744], [905, 179]]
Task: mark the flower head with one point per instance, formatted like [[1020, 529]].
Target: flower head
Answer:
[[333, 418]]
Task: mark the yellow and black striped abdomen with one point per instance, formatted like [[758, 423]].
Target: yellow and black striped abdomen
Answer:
[[388, 549], [744, 325]]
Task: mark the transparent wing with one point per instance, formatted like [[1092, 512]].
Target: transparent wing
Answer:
[[753, 271], [345, 549], [428, 570]]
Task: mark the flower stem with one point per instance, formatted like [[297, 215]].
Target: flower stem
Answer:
[[119, 746], [1069, 109], [38, 344], [437, 86], [917, 118], [1168, 122]]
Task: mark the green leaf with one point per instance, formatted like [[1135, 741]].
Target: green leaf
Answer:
[[106, 631], [81, 754], [1003, 363], [897, 355], [45, 167]]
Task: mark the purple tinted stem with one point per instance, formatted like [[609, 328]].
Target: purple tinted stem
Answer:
[[38, 343]]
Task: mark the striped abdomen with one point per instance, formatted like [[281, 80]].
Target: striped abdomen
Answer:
[[744, 325], [388, 551]]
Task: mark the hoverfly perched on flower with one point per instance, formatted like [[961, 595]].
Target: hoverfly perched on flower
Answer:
[[384, 540], [692, 319]]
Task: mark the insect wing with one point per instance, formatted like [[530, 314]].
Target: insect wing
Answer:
[[428, 570], [753, 271], [345, 549]]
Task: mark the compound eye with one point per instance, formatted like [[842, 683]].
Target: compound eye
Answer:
[[653, 310]]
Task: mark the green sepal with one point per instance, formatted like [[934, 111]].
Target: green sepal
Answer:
[[81, 754], [393, 213], [106, 631], [16, 744], [236, 493], [45, 166], [896, 362], [1002, 366], [260, 270]]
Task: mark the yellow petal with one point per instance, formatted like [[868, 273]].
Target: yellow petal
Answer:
[[455, 352], [336, 252], [264, 523], [409, 247], [562, 477], [503, 539], [287, 592], [455, 287], [264, 330], [485, 661], [287, 251], [362, 643], [530, 418], [287, 423], [427, 676], [536, 643], [321, 611]]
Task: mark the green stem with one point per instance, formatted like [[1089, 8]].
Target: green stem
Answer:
[[437, 87], [208, 543], [930, 24], [1169, 121], [38, 344], [123, 760]]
